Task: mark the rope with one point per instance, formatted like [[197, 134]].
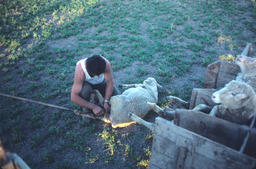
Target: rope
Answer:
[[76, 112], [37, 102]]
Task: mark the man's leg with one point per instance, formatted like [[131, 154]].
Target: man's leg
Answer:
[[86, 91], [86, 94]]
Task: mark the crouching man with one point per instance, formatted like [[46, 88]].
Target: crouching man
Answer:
[[93, 73]]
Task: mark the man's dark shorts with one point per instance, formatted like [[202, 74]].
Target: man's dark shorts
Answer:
[[88, 89]]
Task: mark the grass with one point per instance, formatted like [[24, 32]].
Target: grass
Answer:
[[41, 41]]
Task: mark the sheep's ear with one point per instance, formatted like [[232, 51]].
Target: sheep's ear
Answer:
[[241, 96]]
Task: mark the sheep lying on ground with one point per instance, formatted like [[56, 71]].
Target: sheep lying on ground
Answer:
[[133, 100], [238, 102]]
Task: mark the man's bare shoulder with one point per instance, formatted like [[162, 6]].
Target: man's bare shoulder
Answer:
[[108, 65], [79, 73]]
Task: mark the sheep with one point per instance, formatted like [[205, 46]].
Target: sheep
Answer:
[[238, 102], [248, 70], [133, 100], [247, 65]]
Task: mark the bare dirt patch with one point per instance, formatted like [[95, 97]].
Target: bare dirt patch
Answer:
[[67, 43]]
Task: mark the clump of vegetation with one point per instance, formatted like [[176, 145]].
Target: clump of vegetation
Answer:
[[109, 141], [228, 57]]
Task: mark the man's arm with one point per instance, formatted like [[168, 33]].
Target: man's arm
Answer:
[[109, 85], [76, 89], [109, 81]]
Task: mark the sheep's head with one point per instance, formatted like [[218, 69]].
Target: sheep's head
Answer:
[[151, 85], [234, 95], [246, 64], [150, 82]]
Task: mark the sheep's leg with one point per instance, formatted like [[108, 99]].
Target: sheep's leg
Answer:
[[214, 111], [202, 108], [167, 113], [154, 107], [141, 121], [126, 86], [100, 97], [176, 100]]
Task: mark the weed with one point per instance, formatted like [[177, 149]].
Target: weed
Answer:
[[110, 140], [93, 159], [127, 150], [228, 57], [149, 136]]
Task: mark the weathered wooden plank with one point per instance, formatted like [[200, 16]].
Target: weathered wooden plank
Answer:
[[195, 143], [222, 155], [228, 71], [250, 148], [209, 164], [164, 146], [182, 155], [212, 74], [164, 150], [220, 73], [214, 128], [153, 166], [162, 161], [201, 96]]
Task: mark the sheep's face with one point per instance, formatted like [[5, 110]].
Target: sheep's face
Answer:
[[234, 95], [151, 85], [246, 64], [150, 82]]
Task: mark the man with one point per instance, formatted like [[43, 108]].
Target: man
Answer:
[[93, 73]]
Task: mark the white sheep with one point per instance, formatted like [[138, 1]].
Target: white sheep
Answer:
[[248, 70], [133, 100], [247, 65], [238, 102]]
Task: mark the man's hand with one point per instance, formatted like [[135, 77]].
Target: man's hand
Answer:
[[97, 110], [106, 107]]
